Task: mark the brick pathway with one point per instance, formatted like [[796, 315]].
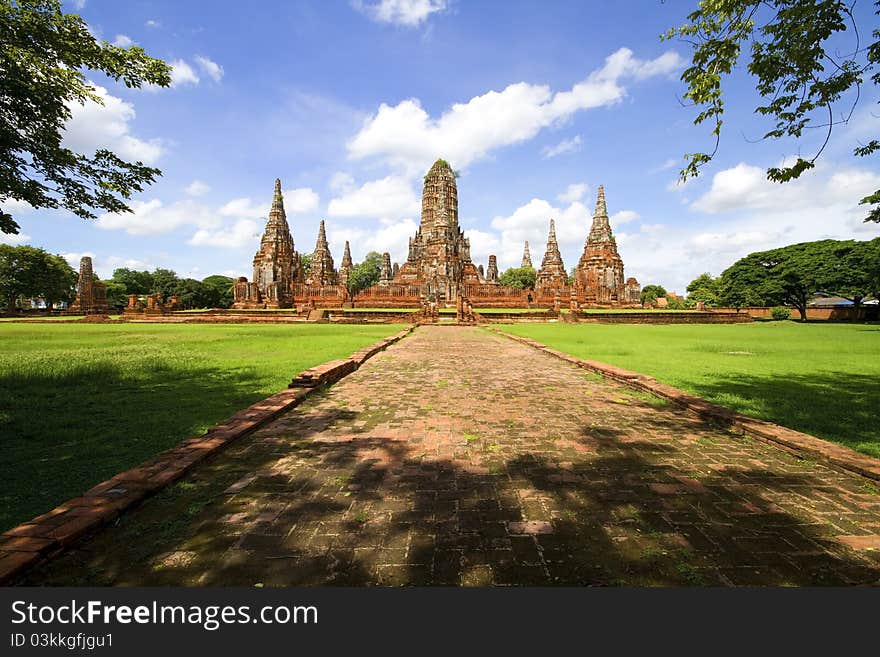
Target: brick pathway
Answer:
[[461, 457]]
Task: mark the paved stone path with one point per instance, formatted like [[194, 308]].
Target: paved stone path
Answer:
[[461, 457]]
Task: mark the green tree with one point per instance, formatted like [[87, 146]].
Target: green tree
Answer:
[[43, 56], [57, 281], [192, 293], [651, 293], [117, 295], [803, 66], [366, 273], [218, 290], [134, 282], [305, 259], [850, 268], [28, 272], [791, 275], [521, 278], [164, 281], [704, 288]]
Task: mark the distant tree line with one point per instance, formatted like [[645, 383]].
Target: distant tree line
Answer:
[[792, 275], [29, 274], [211, 292]]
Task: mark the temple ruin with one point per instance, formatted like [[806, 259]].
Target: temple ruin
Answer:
[[438, 270], [91, 294]]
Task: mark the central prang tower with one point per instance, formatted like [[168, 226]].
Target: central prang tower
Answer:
[[439, 254]]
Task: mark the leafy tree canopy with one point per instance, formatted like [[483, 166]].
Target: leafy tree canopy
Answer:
[[808, 57], [521, 278], [366, 273], [650, 293], [27, 272], [43, 55], [791, 275], [704, 288]]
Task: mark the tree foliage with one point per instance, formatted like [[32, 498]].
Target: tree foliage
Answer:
[[27, 272], [212, 292], [43, 53], [791, 275], [704, 289], [366, 273], [803, 72], [521, 278], [651, 293]]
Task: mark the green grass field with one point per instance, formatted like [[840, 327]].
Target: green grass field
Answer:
[[81, 402], [822, 379]]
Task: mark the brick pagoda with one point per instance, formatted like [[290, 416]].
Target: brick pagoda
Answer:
[[91, 294]]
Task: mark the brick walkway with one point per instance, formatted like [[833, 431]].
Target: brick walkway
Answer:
[[461, 457]]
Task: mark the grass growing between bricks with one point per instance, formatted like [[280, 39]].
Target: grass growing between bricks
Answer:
[[822, 379], [79, 403]]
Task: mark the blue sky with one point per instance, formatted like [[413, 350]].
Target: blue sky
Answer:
[[535, 103]]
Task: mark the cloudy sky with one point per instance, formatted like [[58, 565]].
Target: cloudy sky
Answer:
[[349, 103]]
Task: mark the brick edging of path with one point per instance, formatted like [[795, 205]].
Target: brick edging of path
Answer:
[[800, 444], [47, 535]]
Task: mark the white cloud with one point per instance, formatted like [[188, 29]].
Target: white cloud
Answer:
[[623, 217], [14, 240], [742, 212], [122, 41], [182, 73], [410, 13], [93, 126], [746, 187], [483, 244], [300, 201], [155, 218], [390, 236], [296, 201], [391, 197], [79, 4], [565, 146], [152, 24], [197, 188], [210, 68], [406, 135], [242, 233], [666, 166], [531, 222], [244, 207], [341, 181], [574, 192]]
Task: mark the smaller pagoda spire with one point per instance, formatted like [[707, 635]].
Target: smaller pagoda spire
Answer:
[[492, 270], [601, 210], [346, 258], [551, 255], [385, 273], [277, 198], [527, 257]]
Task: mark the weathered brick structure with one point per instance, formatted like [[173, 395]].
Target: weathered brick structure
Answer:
[[438, 266], [598, 277], [277, 265], [439, 258], [321, 270], [492, 270], [91, 294], [527, 257], [345, 267], [551, 277]]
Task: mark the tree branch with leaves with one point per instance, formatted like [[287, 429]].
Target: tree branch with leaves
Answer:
[[44, 54], [801, 79]]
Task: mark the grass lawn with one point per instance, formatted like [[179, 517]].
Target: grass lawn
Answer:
[[819, 378], [81, 402]]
